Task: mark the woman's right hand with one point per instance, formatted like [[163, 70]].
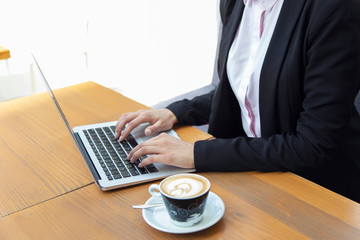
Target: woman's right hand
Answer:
[[159, 120]]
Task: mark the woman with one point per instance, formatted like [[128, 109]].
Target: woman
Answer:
[[289, 73]]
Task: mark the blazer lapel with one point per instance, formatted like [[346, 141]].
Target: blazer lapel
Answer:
[[228, 34], [224, 101], [273, 62]]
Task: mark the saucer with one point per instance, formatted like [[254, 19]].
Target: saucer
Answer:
[[159, 219]]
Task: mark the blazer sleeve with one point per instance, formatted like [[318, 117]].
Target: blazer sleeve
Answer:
[[193, 112], [330, 84]]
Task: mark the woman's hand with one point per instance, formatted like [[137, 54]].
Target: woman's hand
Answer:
[[159, 120], [164, 149]]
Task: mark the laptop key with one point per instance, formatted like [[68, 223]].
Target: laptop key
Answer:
[[132, 141], [142, 170], [113, 128], [129, 164], [121, 168], [126, 146], [151, 168], [114, 172], [125, 173], [137, 162], [117, 176], [134, 172], [112, 168]]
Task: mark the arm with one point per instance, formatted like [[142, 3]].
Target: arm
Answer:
[[331, 81], [193, 112]]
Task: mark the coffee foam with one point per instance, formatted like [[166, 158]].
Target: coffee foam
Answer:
[[184, 186]]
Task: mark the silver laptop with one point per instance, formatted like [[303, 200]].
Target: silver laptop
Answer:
[[106, 157]]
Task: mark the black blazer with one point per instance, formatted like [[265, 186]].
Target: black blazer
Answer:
[[308, 83]]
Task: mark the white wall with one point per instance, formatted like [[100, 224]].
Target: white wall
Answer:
[[150, 50]]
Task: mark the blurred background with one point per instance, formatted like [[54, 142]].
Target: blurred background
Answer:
[[149, 50]]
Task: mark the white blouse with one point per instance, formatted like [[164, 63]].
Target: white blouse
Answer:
[[247, 55]]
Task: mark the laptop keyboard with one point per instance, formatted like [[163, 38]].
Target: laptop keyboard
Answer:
[[112, 154]]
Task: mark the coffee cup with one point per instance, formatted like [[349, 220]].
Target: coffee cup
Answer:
[[184, 196]]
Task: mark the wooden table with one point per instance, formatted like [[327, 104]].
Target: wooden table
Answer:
[[42, 199]]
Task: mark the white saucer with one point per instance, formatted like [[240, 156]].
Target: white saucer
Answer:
[[158, 217]]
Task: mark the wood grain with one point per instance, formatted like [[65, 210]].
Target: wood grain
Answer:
[[90, 214], [42, 199], [315, 195], [39, 159], [301, 216], [255, 209]]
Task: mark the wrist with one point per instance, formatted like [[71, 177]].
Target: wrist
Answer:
[[171, 117]]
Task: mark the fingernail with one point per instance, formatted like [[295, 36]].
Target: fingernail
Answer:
[[147, 132]]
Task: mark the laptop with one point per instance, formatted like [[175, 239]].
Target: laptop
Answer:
[[106, 157]]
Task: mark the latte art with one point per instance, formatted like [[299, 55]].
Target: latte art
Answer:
[[180, 189], [184, 186]]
